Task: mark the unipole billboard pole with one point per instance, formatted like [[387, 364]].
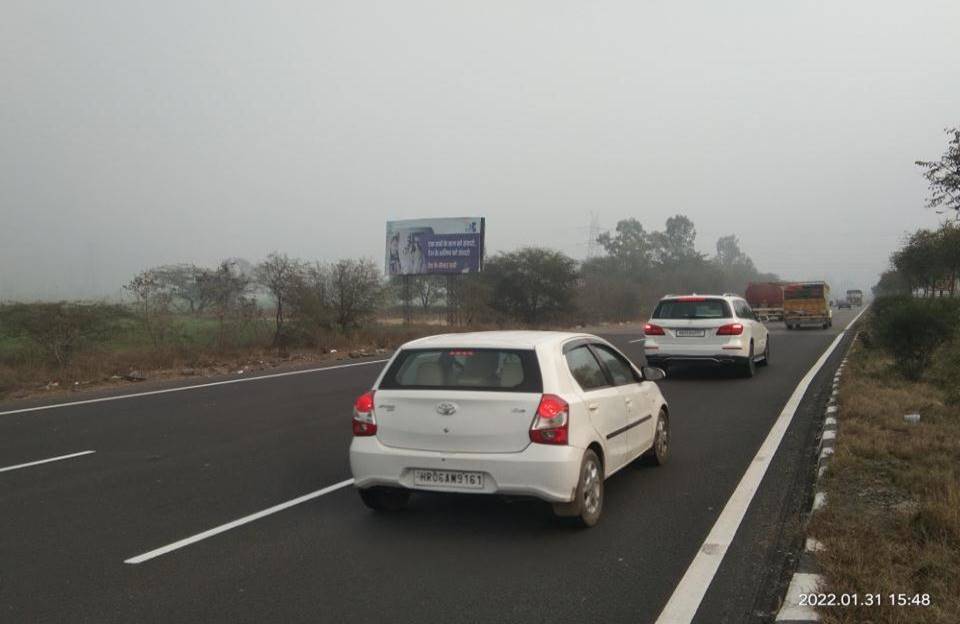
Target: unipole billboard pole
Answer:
[[407, 296]]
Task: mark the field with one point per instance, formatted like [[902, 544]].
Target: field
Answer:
[[184, 345]]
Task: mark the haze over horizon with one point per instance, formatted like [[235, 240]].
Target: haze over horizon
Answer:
[[136, 134]]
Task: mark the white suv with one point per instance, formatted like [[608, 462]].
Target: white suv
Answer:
[[543, 414], [711, 329]]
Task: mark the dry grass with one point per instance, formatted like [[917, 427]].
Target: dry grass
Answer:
[[892, 524], [27, 374]]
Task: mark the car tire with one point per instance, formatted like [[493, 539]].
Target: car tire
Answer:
[[587, 504], [750, 368], [659, 453], [385, 498], [766, 354]]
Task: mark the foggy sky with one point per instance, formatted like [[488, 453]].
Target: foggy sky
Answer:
[[134, 134]]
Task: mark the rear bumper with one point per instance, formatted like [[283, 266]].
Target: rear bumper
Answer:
[[719, 359], [547, 472], [811, 321]]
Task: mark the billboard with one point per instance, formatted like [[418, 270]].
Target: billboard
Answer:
[[435, 246]]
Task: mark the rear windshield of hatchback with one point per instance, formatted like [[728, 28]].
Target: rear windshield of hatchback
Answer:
[[498, 370], [692, 308]]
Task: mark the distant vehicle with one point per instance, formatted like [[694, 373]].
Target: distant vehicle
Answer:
[[543, 414], [807, 304], [843, 303], [711, 329], [766, 299], [855, 297]]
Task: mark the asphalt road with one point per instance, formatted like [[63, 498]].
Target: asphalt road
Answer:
[[170, 466]]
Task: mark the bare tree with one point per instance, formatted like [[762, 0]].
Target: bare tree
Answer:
[[355, 291], [428, 290], [226, 289], [186, 283], [152, 303], [279, 274]]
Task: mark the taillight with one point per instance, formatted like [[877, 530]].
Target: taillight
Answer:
[[653, 330], [733, 329], [552, 424], [364, 423]]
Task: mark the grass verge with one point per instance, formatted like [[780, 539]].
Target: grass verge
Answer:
[[892, 522]]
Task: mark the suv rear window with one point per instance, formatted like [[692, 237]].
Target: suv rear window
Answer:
[[692, 308], [500, 370]]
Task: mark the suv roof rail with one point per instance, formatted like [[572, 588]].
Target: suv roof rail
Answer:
[[730, 295]]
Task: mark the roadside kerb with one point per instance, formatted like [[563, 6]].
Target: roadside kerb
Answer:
[[806, 578]]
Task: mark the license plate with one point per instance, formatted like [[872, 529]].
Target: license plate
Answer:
[[449, 478], [689, 333]]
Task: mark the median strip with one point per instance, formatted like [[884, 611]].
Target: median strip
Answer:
[[193, 539]]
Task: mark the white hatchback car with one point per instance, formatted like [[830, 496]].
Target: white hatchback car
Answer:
[[543, 414], [713, 329]]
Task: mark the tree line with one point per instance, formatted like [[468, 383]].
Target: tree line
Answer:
[[928, 263], [287, 302], [529, 286]]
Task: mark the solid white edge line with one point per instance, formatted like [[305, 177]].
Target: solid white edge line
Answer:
[[689, 592], [238, 522], [45, 461], [184, 388]]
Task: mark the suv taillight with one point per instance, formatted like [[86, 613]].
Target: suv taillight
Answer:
[[552, 424], [364, 424], [733, 329], [652, 330]]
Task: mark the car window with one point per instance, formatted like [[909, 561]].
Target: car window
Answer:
[[619, 368], [585, 368], [503, 370], [743, 310], [692, 308]]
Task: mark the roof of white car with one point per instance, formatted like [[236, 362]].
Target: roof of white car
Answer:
[[495, 339], [704, 295]]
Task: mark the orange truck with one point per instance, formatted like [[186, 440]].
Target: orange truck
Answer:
[[807, 304]]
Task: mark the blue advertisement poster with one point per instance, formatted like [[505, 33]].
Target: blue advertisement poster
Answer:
[[435, 246]]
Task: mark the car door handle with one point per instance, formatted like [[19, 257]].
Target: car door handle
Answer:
[[629, 401], [593, 407]]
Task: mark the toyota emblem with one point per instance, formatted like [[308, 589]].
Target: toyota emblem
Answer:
[[446, 409]]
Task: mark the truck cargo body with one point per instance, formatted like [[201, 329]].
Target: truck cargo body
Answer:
[[766, 299], [807, 304], [855, 297]]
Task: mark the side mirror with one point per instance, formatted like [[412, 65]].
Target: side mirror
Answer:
[[652, 373]]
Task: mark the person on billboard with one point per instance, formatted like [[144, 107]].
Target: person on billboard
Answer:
[[393, 262], [412, 256]]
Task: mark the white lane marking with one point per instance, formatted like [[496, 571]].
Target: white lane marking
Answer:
[[637, 340], [193, 539], [45, 461], [691, 589], [184, 388]]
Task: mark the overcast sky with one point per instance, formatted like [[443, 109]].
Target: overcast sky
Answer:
[[134, 134]]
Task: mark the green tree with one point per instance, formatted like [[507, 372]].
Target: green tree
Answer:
[[533, 284], [675, 246], [943, 177], [628, 248]]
